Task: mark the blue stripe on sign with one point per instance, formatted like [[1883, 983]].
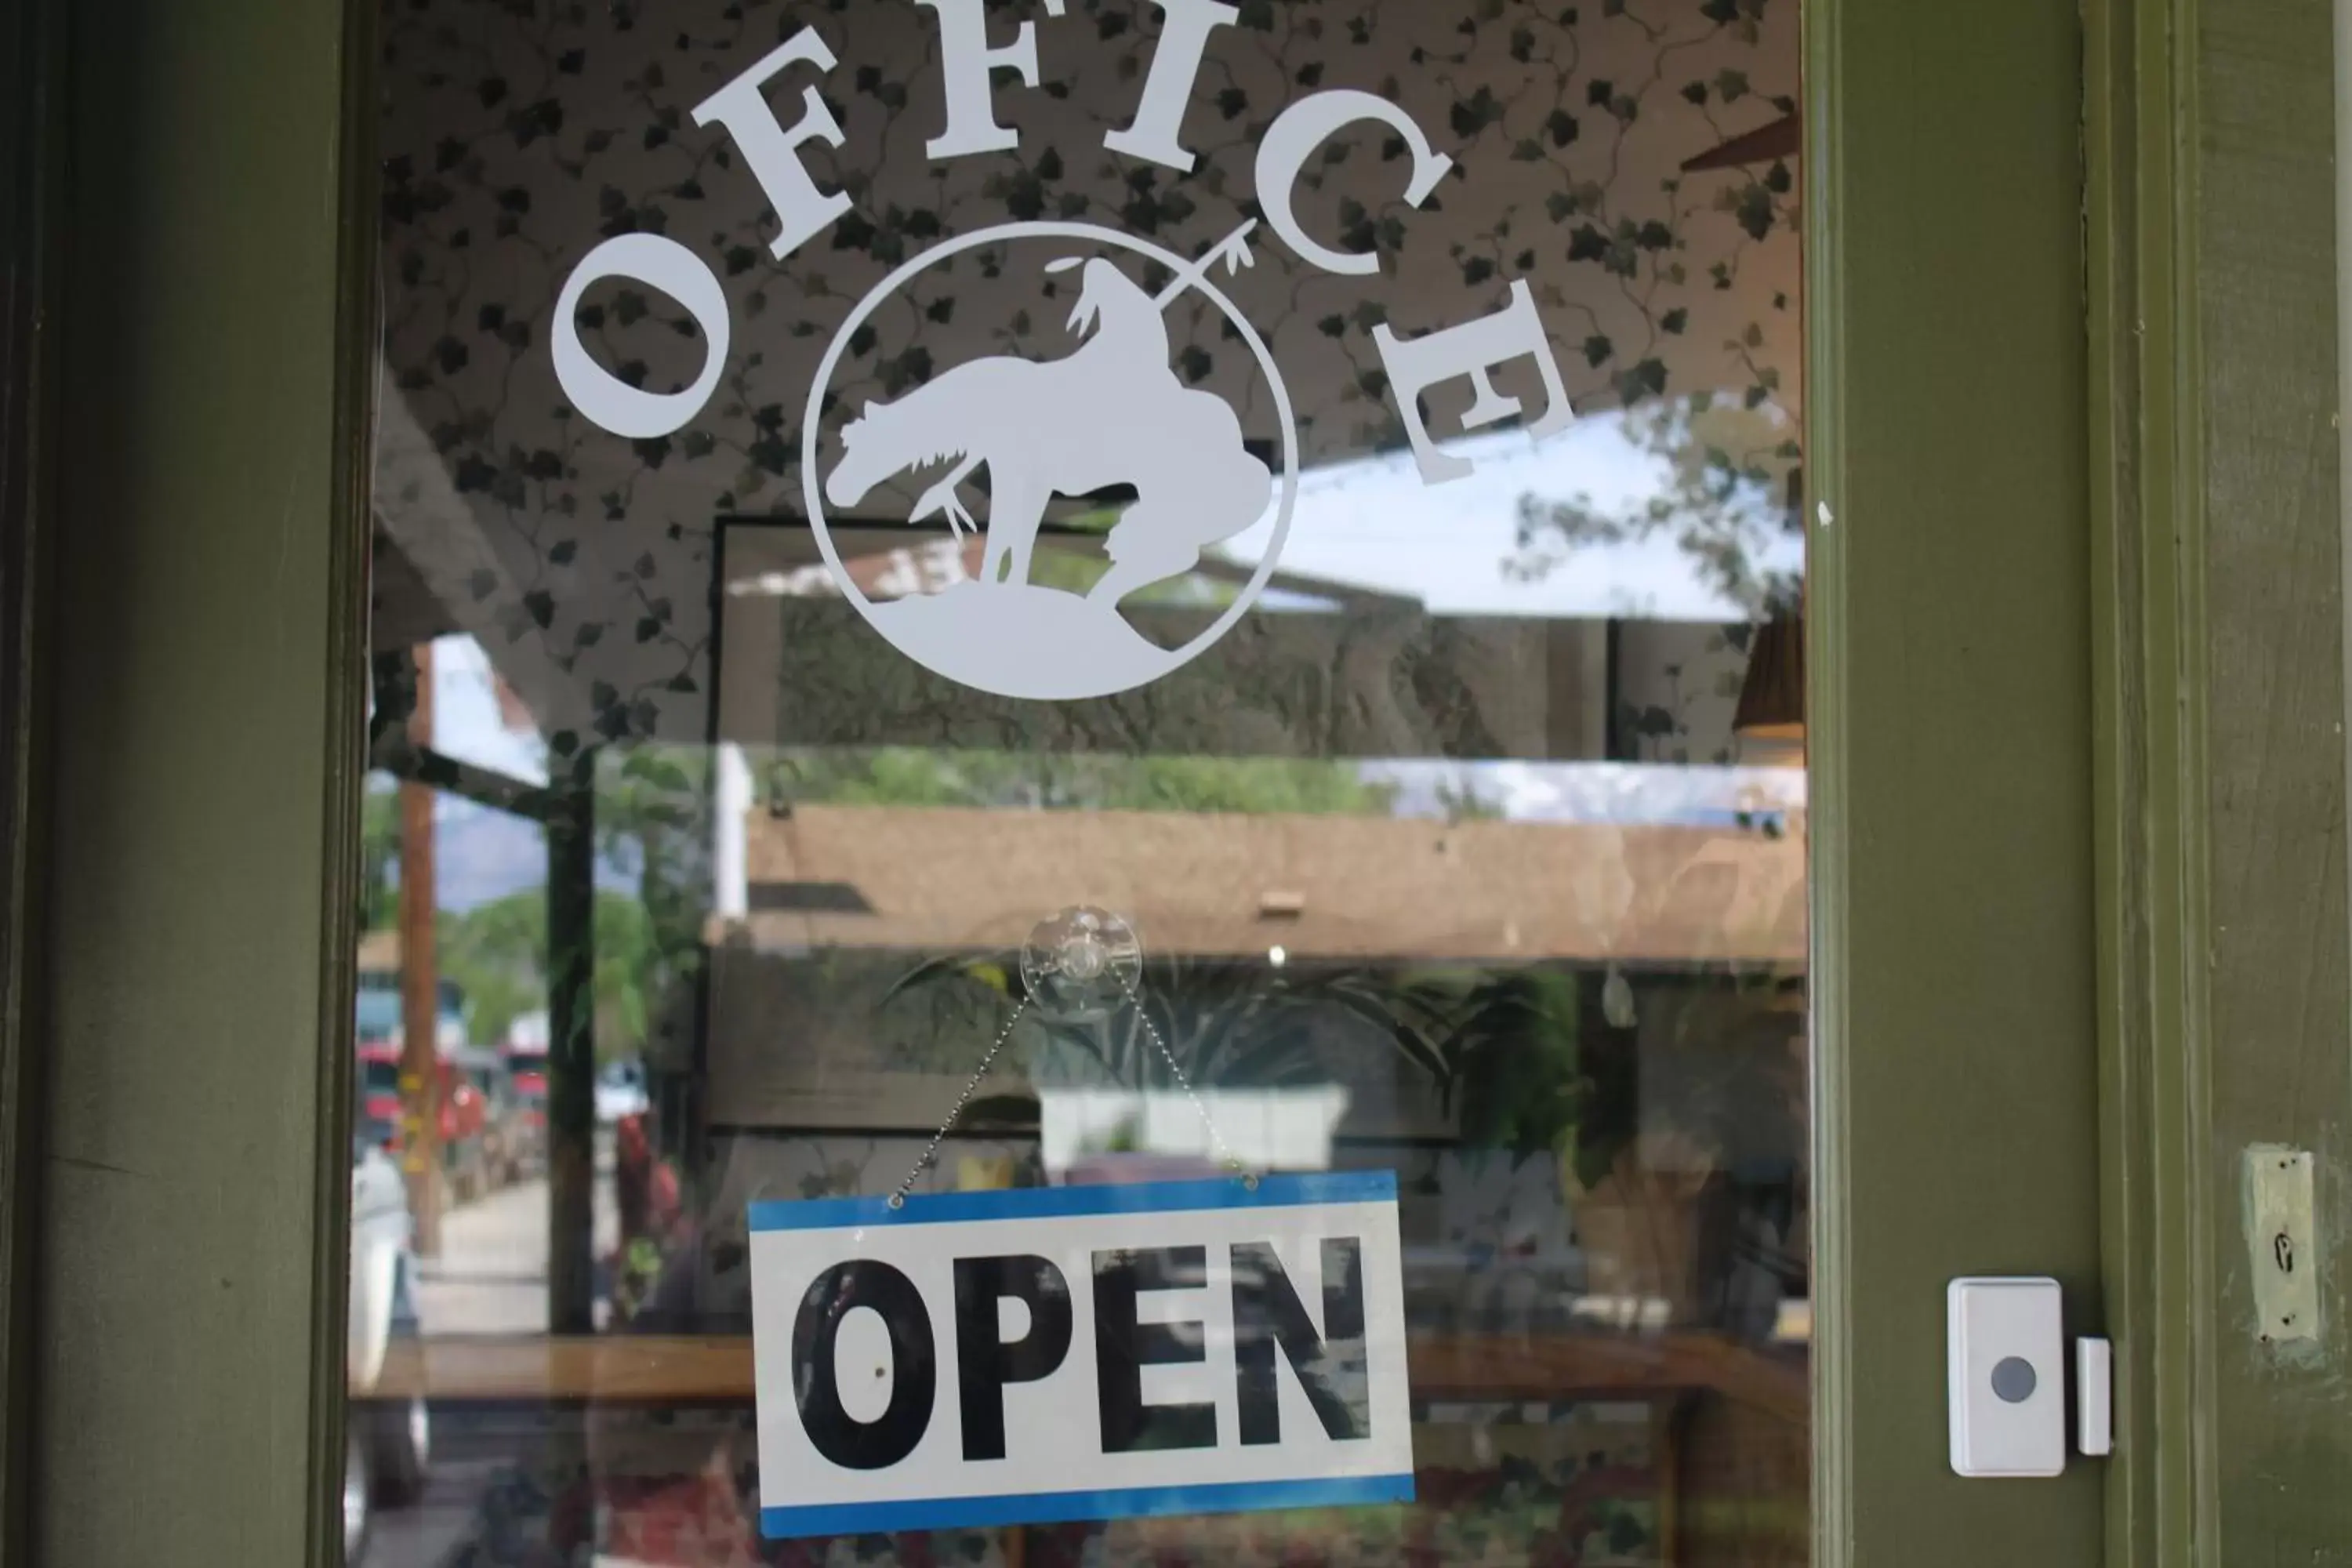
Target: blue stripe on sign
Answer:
[[1059, 1507], [1049, 1202]]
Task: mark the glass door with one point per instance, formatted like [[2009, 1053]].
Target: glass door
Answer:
[[977, 598]]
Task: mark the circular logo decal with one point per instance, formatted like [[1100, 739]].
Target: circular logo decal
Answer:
[[1110, 412]]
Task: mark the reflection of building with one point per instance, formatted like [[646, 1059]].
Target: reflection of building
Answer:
[[1264, 1128], [379, 997], [819, 1017], [1319, 887]]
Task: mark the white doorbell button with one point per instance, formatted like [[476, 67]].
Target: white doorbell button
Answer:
[[2006, 1351]]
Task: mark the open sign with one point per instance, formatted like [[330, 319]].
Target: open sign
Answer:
[[1080, 1352]]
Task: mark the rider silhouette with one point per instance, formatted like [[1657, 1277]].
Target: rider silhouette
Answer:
[[1112, 412]]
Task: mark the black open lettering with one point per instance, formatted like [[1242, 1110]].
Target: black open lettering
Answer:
[[1124, 1347], [985, 1361], [914, 1374], [1331, 1366]]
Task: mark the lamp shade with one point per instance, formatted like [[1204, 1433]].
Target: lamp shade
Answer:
[[1772, 696]]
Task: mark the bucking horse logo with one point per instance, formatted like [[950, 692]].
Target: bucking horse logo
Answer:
[[1111, 412]]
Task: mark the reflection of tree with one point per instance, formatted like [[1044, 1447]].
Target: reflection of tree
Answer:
[[652, 817], [1731, 470], [379, 856], [497, 953], [649, 814], [906, 775], [1381, 681], [1229, 1023]]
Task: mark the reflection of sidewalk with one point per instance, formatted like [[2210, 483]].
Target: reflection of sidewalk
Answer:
[[491, 1276]]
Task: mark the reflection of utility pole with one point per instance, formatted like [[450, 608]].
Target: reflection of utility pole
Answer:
[[420, 1000], [572, 1044]]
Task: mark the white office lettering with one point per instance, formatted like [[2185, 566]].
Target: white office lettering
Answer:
[[1293, 139], [1472, 349], [611, 402], [741, 110], [968, 65], [1184, 29]]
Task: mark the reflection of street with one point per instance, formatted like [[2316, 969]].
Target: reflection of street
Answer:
[[491, 1276], [490, 1280]]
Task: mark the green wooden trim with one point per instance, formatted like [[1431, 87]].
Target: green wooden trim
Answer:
[[1826, 707], [30, 154], [2148, 654], [211, 465], [358, 328], [2221, 684], [2267, 684], [1950, 725]]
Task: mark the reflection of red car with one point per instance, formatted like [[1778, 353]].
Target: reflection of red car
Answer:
[[463, 1111], [527, 1067], [380, 1092]]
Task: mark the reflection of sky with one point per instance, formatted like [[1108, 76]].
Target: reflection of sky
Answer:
[[1374, 524], [1656, 794], [466, 723], [482, 853]]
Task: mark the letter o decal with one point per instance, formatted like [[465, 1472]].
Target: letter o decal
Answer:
[[841, 1290], [603, 397]]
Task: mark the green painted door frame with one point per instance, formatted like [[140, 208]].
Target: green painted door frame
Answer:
[[2063, 816], [1949, 726], [201, 433], [2214, 278]]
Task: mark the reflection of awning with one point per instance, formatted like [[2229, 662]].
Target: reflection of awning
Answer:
[[1342, 887], [379, 952]]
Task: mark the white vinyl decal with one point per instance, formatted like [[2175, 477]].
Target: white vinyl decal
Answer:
[[1111, 412]]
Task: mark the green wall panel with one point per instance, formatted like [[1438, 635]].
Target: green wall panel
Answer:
[[1951, 709], [205, 670]]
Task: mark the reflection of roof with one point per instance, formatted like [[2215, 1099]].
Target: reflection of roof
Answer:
[[379, 952], [1346, 886]]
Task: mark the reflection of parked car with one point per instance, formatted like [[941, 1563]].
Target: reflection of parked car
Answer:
[[620, 1091], [526, 1065], [506, 1142], [380, 1106], [389, 1435]]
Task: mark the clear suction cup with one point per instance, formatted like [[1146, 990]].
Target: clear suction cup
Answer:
[[1081, 962]]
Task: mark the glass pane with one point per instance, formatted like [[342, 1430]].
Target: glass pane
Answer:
[[1350, 541]]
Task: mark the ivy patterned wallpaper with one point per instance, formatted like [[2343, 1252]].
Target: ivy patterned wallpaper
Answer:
[[518, 133]]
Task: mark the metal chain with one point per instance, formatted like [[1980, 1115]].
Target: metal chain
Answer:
[[931, 1155], [1232, 1161]]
